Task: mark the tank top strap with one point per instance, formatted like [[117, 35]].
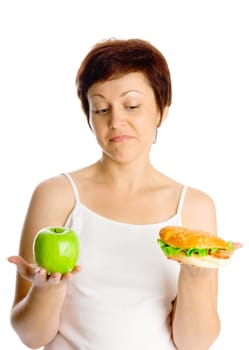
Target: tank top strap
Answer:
[[74, 187], [181, 200]]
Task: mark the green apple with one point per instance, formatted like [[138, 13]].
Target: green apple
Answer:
[[56, 249]]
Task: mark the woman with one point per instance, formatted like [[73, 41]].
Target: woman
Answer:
[[127, 294]]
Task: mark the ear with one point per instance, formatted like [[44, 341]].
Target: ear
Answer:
[[163, 116]]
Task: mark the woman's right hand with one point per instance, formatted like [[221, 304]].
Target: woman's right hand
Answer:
[[39, 276]]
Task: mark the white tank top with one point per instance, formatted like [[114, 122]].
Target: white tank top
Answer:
[[122, 298]]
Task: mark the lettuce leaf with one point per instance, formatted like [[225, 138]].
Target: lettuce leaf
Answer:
[[231, 246], [169, 251]]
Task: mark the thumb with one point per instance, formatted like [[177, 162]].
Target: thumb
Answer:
[[25, 269], [15, 259]]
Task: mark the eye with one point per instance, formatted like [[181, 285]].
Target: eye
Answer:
[[101, 111], [133, 107]]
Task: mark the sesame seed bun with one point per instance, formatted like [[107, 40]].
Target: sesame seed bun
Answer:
[[182, 237]]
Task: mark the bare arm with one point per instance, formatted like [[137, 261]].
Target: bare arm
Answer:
[[38, 297], [195, 323]]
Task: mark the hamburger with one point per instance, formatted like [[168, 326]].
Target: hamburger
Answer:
[[196, 247]]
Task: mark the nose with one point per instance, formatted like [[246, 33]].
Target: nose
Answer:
[[116, 118]]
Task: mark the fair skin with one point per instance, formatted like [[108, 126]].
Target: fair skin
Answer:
[[124, 117]]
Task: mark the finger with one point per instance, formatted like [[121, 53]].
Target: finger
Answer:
[[54, 278], [76, 269], [25, 269], [16, 259], [40, 276], [69, 275], [237, 245]]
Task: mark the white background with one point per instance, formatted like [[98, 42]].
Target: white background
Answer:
[[203, 143]]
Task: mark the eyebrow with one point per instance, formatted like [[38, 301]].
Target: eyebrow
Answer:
[[123, 94]]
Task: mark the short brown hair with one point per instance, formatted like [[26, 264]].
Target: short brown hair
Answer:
[[112, 58]]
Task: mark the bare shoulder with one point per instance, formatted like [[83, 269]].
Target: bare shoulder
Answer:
[[55, 188], [58, 190], [52, 197], [199, 211]]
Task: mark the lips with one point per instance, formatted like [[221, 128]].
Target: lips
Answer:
[[121, 138]]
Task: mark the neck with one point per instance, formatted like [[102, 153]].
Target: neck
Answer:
[[126, 176]]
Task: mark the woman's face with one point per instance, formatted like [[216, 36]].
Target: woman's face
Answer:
[[124, 116]]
